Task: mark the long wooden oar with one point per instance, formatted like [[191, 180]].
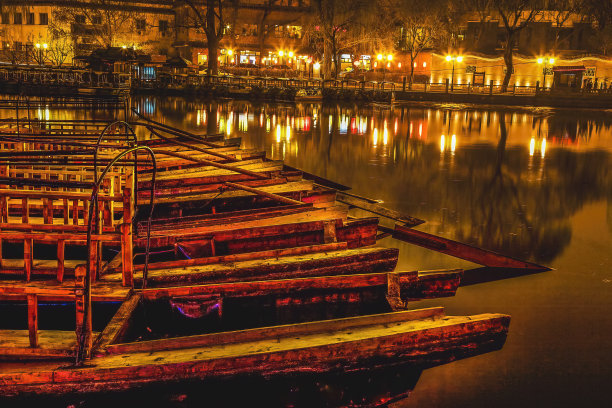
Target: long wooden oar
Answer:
[[463, 251]]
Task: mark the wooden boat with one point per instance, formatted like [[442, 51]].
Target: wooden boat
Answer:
[[309, 98], [257, 235], [422, 337]]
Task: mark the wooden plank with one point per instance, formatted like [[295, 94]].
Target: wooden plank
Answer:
[[319, 180], [272, 253], [343, 262], [267, 333], [462, 251], [127, 242], [284, 287], [51, 290], [61, 245], [119, 323], [264, 193], [33, 320], [213, 164], [363, 204], [163, 197], [83, 315], [52, 344], [27, 255], [318, 214]]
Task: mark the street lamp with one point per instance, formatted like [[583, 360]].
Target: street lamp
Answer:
[[453, 58], [40, 47], [545, 70]]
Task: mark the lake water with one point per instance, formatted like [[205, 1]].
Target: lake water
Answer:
[[534, 183]]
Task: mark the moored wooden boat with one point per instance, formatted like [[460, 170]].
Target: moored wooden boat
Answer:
[[258, 237], [421, 337]]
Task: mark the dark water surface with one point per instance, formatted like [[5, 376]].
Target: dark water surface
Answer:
[[534, 183]]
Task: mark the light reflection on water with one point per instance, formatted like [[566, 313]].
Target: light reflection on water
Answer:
[[502, 179]]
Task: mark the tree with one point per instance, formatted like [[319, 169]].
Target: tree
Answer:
[[105, 21], [341, 26], [263, 28], [482, 9], [599, 14], [207, 15], [39, 50], [421, 27], [515, 16], [561, 11], [59, 50]]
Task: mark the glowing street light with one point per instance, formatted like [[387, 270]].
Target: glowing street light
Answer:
[[389, 57], [290, 54], [545, 69], [379, 57], [281, 53], [44, 47], [453, 58]]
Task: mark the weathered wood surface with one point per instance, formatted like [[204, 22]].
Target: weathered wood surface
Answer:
[[312, 347], [412, 285], [262, 192], [463, 251], [257, 228], [377, 208], [222, 259], [251, 168], [361, 260], [207, 191], [354, 233], [119, 323], [143, 195], [51, 290], [52, 344], [226, 218]]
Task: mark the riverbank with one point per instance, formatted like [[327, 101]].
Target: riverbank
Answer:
[[309, 90]]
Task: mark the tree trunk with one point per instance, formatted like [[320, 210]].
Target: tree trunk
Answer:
[[212, 39], [327, 58], [411, 71], [262, 44], [508, 60], [213, 62]]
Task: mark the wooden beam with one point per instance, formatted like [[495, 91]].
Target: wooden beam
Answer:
[[214, 164], [265, 194], [119, 323], [364, 204], [283, 287], [33, 319], [463, 251]]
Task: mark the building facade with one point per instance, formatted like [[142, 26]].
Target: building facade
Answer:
[[272, 32]]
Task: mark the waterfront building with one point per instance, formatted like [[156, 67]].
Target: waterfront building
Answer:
[[271, 33]]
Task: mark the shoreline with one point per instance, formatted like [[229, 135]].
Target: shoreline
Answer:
[[560, 99]]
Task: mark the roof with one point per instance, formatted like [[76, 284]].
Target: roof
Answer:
[[113, 54]]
